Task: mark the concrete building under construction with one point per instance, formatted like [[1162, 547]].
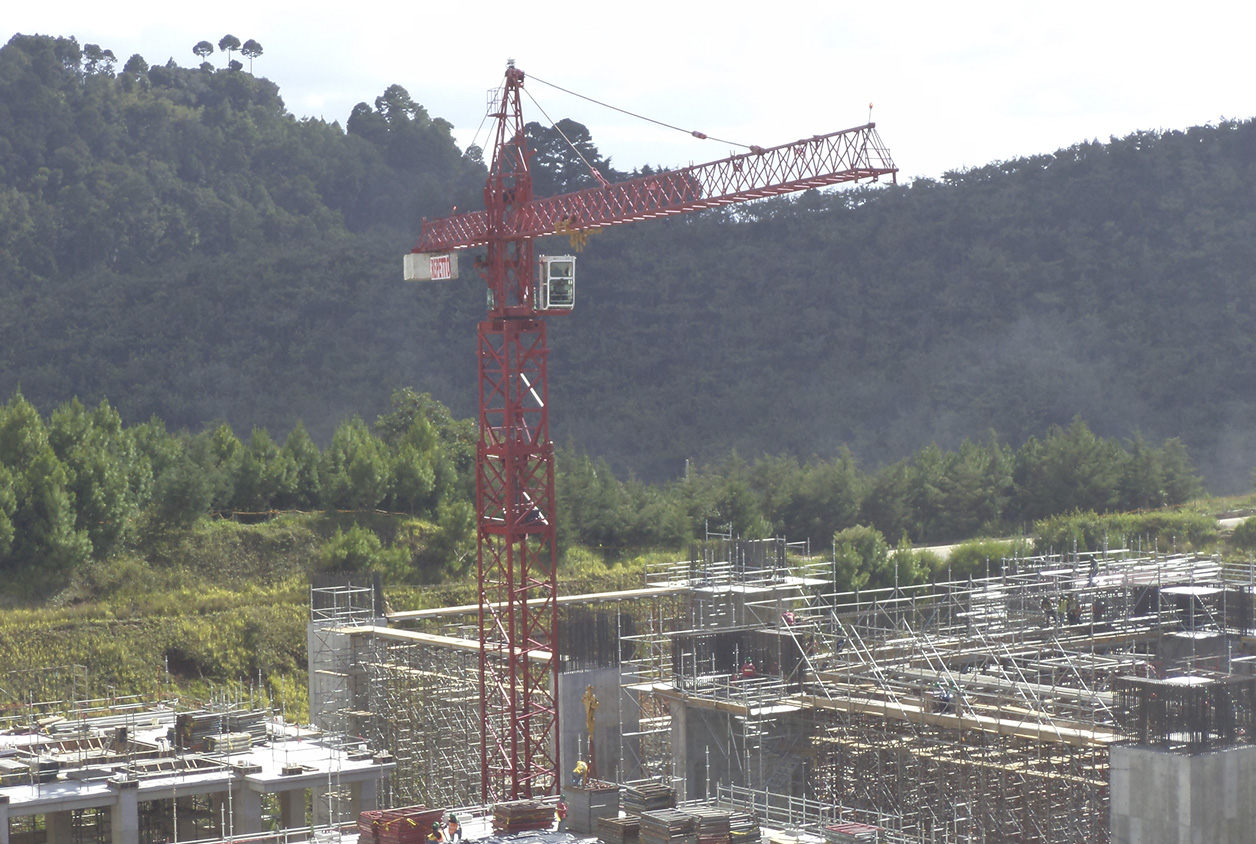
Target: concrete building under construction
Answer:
[[134, 771], [1088, 698]]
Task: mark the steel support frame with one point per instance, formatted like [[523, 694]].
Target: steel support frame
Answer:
[[518, 608], [517, 554]]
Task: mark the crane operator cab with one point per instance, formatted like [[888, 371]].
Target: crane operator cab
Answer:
[[556, 286]]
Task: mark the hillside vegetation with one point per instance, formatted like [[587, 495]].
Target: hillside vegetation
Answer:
[[214, 384], [173, 240], [165, 562]]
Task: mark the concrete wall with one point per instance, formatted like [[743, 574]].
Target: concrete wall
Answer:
[[573, 738], [701, 751], [1162, 797], [1201, 647], [704, 754]]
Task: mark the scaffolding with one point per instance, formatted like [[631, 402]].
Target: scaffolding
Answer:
[[980, 710], [977, 710], [645, 672], [972, 710], [424, 696], [340, 612]]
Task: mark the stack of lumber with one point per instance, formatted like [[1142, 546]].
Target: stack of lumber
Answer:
[[743, 828], [852, 833], [251, 721], [13, 772], [228, 743], [522, 816], [193, 730], [712, 825], [619, 830], [409, 825], [668, 826], [648, 797]]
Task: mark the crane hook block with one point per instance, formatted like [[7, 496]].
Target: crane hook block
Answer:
[[430, 266]]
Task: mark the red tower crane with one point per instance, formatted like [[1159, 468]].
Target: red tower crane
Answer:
[[516, 561]]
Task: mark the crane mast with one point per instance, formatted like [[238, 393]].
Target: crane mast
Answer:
[[516, 551], [517, 556]]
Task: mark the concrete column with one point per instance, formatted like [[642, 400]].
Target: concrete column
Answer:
[[185, 821], [217, 815], [318, 801], [124, 817], [680, 748], [1165, 797], [246, 809], [4, 819], [59, 827], [291, 809], [364, 798]]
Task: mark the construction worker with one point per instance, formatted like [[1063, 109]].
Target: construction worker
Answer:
[[436, 834], [560, 812], [453, 829], [580, 774], [1074, 610]]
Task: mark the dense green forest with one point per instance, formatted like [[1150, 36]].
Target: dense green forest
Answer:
[[174, 241], [81, 487], [168, 560]]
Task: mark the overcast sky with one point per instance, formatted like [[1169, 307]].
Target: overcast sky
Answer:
[[954, 85]]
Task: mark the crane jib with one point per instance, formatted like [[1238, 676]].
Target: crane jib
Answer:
[[846, 156]]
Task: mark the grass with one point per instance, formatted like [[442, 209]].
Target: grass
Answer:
[[225, 605], [218, 605]]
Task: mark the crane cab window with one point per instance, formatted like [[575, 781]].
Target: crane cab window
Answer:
[[557, 288]]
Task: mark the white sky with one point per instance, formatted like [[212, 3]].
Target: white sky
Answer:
[[955, 85]]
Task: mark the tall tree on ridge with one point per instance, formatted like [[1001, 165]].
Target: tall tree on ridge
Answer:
[[229, 44], [251, 50], [203, 50]]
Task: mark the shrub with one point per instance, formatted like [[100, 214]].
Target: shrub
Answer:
[[970, 559], [1092, 532], [1244, 536]]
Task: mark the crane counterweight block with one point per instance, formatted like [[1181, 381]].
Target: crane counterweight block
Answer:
[[430, 266], [850, 155]]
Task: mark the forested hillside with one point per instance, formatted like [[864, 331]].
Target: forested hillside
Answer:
[[82, 495], [173, 240], [1116, 281]]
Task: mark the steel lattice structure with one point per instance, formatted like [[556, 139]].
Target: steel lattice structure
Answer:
[[846, 156], [954, 711], [515, 458]]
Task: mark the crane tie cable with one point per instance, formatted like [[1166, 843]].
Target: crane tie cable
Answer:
[[593, 171], [694, 132]]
